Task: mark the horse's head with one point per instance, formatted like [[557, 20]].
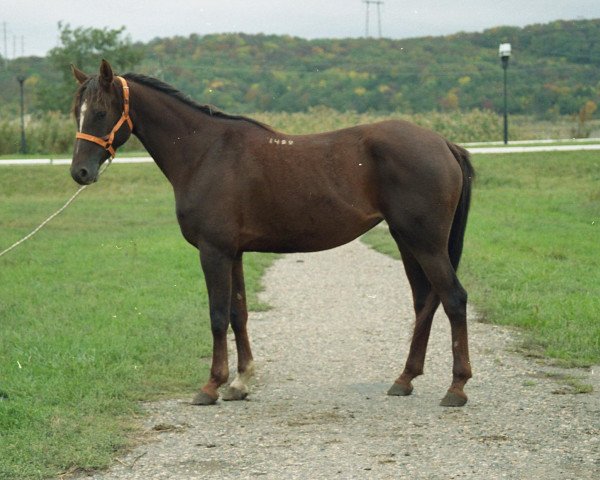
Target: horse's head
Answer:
[[101, 110]]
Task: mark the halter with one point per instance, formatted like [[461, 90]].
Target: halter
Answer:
[[106, 141]]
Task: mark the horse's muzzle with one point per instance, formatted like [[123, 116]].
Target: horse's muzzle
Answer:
[[84, 175]]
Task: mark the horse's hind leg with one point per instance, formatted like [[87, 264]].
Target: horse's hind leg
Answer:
[[428, 248], [238, 389], [445, 283], [425, 303]]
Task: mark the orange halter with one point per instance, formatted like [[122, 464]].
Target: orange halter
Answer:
[[106, 141]]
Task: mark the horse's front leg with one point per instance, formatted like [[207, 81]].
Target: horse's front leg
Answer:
[[238, 390], [217, 268]]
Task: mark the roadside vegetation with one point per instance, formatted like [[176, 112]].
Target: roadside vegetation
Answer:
[[52, 133]]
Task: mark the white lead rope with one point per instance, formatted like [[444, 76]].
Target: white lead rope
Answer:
[[43, 224]]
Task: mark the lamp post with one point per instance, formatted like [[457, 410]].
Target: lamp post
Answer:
[[21, 80], [504, 54]]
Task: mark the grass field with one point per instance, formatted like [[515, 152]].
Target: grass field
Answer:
[[532, 252], [104, 307]]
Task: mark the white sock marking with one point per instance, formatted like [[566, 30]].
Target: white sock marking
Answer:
[[240, 382]]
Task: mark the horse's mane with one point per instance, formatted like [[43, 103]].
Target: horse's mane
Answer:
[[163, 87]]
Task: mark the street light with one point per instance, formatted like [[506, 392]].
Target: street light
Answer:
[[504, 53], [21, 80]]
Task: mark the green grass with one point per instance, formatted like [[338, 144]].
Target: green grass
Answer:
[[569, 384], [532, 250], [103, 308]]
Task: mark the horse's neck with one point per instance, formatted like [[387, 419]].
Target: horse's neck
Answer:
[[174, 134]]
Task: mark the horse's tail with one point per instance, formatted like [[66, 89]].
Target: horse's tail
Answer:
[[459, 224]]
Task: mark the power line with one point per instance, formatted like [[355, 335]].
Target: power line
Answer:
[[368, 3]]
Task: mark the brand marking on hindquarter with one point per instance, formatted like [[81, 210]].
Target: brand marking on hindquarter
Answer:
[[280, 141]]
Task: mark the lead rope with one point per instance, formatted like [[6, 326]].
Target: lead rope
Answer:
[[60, 210]]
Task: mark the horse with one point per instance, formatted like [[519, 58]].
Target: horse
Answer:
[[242, 186]]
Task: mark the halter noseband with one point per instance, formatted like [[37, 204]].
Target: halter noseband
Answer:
[[106, 141]]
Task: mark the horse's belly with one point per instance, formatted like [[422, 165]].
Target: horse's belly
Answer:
[[307, 233]]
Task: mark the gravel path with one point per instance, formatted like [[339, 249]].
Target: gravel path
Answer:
[[336, 338]]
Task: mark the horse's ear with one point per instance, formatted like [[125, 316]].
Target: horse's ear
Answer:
[[78, 74], [106, 74]]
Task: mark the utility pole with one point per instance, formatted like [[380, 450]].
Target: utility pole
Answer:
[[379, 17], [21, 79], [378, 3], [368, 4], [504, 52], [5, 46]]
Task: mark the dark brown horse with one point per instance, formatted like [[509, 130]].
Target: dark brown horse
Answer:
[[242, 186]]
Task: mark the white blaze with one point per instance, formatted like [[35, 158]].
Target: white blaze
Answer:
[[82, 114]]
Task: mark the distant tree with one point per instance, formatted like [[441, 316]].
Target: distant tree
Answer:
[[585, 114], [85, 48], [450, 101]]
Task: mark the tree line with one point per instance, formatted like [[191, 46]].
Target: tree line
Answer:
[[555, 70]]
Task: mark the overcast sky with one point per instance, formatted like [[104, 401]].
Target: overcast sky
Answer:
[[35, 21]]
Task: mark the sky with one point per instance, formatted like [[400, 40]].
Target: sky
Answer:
[[31, 25]]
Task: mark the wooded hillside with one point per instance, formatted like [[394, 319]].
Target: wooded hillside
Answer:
[[555, 69]]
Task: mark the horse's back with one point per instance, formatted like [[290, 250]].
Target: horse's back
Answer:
[[390, 147]]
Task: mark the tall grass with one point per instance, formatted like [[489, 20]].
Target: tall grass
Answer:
[[475, 125], [53, 133]]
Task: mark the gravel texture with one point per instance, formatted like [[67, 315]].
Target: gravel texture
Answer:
[[334, 341]]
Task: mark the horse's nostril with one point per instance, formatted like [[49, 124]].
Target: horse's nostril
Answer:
[[83, 173]]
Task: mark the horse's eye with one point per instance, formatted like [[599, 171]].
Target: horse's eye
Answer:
[[100, 114]]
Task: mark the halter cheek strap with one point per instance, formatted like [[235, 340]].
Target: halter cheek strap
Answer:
[[107, 141]]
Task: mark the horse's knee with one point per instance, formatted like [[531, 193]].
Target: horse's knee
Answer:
[[455, 304], [219, 323]]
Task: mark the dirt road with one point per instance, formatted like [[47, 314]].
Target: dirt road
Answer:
[[334, 341]]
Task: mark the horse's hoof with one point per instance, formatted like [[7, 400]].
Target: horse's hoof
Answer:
[[399, 390], [203, 398], [232, 394], [453, 399]]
